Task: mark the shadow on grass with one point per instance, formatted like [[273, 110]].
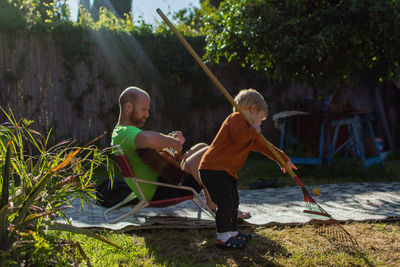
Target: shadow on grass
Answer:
[[197, 248], [342, 241], [347, 247]]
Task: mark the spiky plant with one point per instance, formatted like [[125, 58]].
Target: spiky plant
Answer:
[[37, 182]]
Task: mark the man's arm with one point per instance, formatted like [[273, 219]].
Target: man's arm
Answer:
[[155, 140]]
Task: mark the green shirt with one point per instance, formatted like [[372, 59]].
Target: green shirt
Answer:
[[124, 136]]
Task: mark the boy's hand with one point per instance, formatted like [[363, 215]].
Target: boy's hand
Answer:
[[289, 165], [257, 127]]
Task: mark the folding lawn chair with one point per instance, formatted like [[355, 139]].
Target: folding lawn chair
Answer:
[[128, 173]]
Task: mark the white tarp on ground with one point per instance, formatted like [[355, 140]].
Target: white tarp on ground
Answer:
[[269, 206]]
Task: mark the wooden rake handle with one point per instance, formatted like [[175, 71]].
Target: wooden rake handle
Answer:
[[225, 93]]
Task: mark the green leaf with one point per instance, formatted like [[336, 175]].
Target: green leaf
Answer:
[[4, 198], [6, 177], [4, 241]]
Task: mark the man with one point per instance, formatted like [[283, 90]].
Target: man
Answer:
[[134, 106]]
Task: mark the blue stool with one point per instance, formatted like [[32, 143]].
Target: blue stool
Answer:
[[355, 139]]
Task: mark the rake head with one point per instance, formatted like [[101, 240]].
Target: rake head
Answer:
[[327, 225]]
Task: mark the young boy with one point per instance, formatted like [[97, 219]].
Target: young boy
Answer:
[[226, 155]]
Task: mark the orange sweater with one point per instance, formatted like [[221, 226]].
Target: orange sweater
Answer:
[[232, 144]]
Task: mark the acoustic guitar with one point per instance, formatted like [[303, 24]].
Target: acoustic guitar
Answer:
[[164, 163]]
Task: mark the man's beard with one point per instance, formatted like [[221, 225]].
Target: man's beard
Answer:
[[136, 121]]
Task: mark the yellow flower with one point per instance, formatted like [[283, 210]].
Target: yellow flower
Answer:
[[316, 191]]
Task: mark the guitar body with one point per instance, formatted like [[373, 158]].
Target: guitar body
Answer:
[[165, 165]]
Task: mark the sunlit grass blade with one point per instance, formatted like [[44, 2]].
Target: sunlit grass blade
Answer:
[[32, 139], [59, 145], [80, 249], [76, 230], [35, 216]]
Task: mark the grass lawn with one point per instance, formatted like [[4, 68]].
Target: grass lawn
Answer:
[[301, 245], [271, 246]]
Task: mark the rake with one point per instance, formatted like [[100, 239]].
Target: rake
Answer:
[[317, 214]]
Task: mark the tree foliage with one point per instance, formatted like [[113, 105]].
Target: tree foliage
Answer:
[[33, 14], [190, 21], [318, 42]]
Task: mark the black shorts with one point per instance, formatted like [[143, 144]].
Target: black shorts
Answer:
[[163, 192]]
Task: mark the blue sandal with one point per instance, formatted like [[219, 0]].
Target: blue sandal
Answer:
[[231, 243], [244, 237]]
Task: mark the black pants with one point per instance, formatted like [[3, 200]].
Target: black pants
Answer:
[[223, 191], [163, 192]]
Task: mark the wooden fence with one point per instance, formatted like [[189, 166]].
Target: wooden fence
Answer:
[[33, 85]]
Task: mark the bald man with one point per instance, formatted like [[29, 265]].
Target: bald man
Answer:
[[134, 104]]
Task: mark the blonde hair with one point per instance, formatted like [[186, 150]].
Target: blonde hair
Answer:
[[246, 98]]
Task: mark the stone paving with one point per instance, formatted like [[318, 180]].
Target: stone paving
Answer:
[[268, 206]]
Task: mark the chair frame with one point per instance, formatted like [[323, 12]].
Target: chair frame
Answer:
[[127, 172]]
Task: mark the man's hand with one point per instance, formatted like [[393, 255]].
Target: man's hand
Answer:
[[176, 145], [289, 165], [179, 136], [156, 140]]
